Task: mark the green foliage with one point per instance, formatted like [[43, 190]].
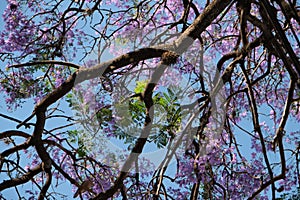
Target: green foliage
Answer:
[[166, 104], [166, 121], [140, 86], [128, 116], [69, 100], [104, 116], [74, 137]]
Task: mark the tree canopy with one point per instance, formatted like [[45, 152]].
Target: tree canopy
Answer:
[[150, 99]]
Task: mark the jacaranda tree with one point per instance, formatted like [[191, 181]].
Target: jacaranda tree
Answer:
[[150, 99]]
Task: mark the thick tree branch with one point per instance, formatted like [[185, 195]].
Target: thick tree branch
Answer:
[[23, 179], [14, 133]]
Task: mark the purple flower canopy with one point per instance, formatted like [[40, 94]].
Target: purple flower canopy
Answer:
[[150, 99]]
